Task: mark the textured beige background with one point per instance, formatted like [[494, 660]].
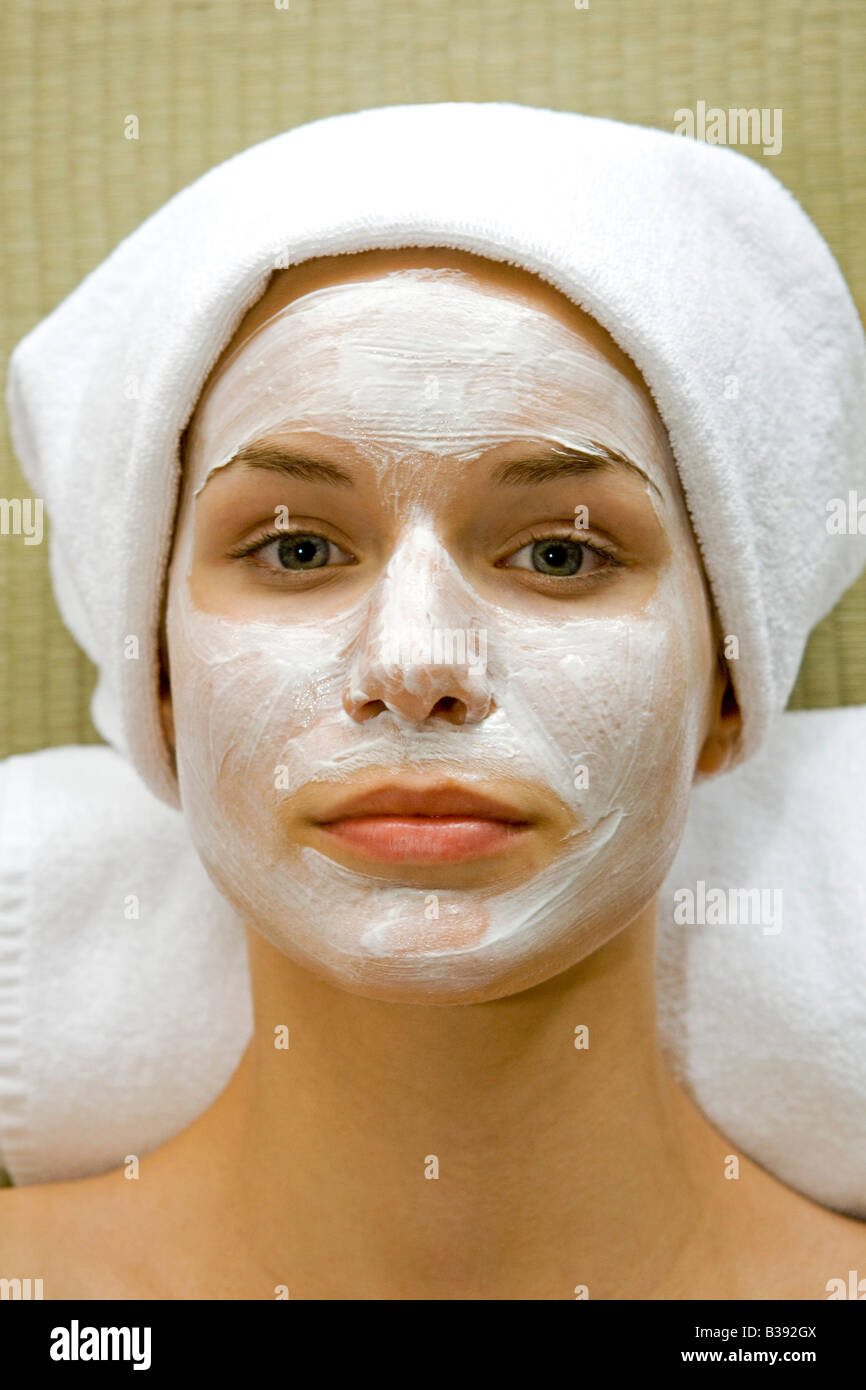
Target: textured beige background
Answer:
[[206, 78]]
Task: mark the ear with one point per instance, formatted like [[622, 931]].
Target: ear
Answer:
[[166, 712], [725, 728]]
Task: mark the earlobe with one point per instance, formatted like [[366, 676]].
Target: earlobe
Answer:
[[720, 743], [714, 756], [166, 712]]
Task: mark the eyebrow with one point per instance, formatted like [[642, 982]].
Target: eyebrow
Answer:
[[306, 467], [557, 461], [564, 460]]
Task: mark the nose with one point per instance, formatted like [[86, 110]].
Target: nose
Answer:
[[421, 654]]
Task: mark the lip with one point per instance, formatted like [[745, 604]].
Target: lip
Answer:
[[424, 825], [434, 801]]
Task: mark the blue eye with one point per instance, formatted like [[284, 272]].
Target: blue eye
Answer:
[[297, 552], [301, 552], [558, 556]]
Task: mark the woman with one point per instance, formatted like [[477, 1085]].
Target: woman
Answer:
[[440, 663]]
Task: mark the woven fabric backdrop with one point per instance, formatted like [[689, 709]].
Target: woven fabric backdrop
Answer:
[[206, 78]]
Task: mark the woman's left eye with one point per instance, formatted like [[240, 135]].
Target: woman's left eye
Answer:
[[298, 552], [558, 556]]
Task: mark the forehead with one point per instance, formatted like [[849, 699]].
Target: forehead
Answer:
[[498, 277], [344, 346]]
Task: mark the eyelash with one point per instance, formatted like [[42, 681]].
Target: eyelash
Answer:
[[539, 534], [253, 547], [595, 548]]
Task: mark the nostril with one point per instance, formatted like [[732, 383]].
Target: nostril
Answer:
[[371, 709], [414, 707], [368, 709], [453, 709]]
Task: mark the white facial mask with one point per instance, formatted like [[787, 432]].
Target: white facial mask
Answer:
[[604, 711]]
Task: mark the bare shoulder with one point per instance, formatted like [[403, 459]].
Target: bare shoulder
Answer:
[[809, 1251], [26, 1215], [837, 1249], [25, 1212], [73, 1236]]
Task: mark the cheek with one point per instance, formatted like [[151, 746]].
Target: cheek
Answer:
[[610, 710], [610, 715], [249, 695]]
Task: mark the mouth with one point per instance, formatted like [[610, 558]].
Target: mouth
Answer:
[[425, 825]]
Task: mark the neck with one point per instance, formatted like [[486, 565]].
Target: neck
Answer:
[[466, 1151]]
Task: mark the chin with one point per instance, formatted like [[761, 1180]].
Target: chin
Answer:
[[427, 971], [411, 944]]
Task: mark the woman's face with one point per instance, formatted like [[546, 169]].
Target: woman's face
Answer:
[[432, 543]]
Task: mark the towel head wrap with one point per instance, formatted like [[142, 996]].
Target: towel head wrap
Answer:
[[699, 263]]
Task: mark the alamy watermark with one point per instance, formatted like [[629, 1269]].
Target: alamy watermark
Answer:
[[22, 516], [437, 646], [20, 1289], [740, 125], [720, 907], [852, 1287], [77, 1343], [846, 518]]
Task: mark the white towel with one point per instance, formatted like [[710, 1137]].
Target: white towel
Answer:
[[699, 262], [767, 1027], [116, 1033], [124, 986]]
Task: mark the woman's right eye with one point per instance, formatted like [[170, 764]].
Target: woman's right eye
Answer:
[[297, 552]]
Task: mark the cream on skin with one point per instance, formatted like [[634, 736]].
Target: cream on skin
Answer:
[[292, 688]]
